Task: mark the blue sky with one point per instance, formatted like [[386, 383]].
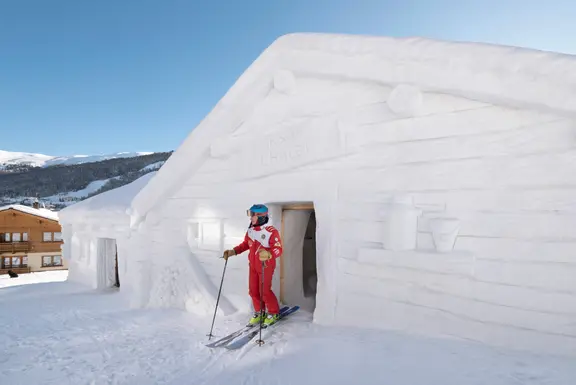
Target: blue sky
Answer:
[[92, 77]]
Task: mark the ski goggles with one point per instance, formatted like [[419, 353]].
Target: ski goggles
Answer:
[[253, 213]]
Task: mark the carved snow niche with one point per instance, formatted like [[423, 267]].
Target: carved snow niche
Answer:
[[444, 233], [405, 100], [401, 224], [205, 234], [285, 82]]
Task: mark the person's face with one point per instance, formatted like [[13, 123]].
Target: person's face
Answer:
[[254, 218]]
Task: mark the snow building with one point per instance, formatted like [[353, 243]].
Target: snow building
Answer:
[[95, 233], [419, 185]]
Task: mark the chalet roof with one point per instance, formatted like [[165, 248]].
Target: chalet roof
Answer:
[[44, 213], [511, 76]]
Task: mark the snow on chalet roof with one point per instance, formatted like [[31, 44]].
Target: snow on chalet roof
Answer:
[[512, 76], [109, 204], [44, 213]]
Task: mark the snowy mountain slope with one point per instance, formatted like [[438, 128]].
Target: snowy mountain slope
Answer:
[[41, 160], [37, 160], [61, 186]]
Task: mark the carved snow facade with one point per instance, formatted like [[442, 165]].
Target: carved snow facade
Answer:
[[443, 189]]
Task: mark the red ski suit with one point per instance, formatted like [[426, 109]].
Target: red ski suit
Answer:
[[257, 238]]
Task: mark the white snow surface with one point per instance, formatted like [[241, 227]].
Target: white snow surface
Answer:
[[89, 189], [62, 333], [41, 160], [45, 213], [33, 278], [154, 166], [507, 75], [109, 203]]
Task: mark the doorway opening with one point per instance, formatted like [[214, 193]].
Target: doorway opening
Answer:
[[107, 264], [298, 268], [117, 277]]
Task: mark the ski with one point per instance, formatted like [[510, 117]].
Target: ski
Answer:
[[224, 340], [249, 335]]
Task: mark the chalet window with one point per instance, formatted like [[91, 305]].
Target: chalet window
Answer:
[[57, 237], [51, 260], [47, 237], [14, 262], [16, 237], [25, 237], [5, 237]]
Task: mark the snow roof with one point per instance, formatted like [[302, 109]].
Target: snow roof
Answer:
[[517, 77], [110, 204], [44, 213]]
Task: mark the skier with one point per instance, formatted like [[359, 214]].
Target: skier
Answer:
[[265, 246]]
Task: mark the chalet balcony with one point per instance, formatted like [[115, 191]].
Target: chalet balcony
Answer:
[[14, 247]]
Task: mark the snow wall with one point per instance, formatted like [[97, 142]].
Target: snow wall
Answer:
[[94, 230], [437, 213]]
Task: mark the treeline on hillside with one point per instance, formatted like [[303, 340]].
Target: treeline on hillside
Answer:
[[43, 182], [16, 168]]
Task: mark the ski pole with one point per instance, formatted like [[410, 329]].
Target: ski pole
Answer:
[[260, 342], [217, 300]]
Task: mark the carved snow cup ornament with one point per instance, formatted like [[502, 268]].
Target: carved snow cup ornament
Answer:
[[405, 100], [444, 233]]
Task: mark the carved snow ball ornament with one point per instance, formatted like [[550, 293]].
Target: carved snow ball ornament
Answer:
[[285, 81], [405, 100]]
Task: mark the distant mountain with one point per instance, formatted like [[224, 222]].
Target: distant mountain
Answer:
[[61, 181], [19, 161]]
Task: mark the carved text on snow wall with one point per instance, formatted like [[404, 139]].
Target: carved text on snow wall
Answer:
[[286, 148], [297, 146]]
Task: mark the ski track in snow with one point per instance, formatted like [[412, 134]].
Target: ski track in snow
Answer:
[[61, 333]]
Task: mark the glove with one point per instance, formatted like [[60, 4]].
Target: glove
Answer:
[[264, 255], [228, 253]]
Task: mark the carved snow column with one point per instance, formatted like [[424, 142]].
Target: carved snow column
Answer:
[[401, 226]]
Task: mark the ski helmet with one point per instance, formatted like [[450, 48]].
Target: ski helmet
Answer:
[[261, 211]]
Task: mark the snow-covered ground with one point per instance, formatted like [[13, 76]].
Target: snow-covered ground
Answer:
[[39, 277], [60, 333]]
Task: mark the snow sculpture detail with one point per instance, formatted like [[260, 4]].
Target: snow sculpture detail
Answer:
[[444, 233], [405, 100], [285, 82], [401, 226]]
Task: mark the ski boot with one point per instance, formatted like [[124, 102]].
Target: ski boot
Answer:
[[256, 318], [271, 319]]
